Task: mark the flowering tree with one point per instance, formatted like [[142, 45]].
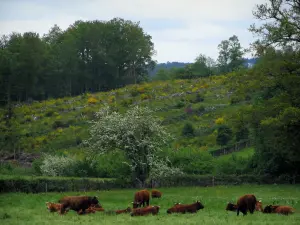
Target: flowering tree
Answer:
[[137, 132]]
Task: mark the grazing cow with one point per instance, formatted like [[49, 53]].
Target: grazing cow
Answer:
[[156, 194], [77, 203], [233, 207], [141, 198], [245, 203], [53, 207], [183, 208], [279, 209], [120, 211], [145, 211]]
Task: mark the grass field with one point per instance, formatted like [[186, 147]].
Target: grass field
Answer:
[[20, 208]]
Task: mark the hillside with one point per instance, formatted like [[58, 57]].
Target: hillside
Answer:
[[60, 125]]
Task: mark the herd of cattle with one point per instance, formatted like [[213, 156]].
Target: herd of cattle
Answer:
[[141, 205]]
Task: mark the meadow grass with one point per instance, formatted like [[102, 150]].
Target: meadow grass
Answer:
[[20, 208]]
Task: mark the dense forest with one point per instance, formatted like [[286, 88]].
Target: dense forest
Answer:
[[89, 56], [188, 111]]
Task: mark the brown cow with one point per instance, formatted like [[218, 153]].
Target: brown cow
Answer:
[[145, 211], [156, 194], [120, 211], [53, 207], [141, 198], [279, 209], [233, 207], [258, 206], [183, 208], [77, 203], [245, 203]]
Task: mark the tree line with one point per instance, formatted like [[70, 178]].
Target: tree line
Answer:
[[230, 59], [87, 56]]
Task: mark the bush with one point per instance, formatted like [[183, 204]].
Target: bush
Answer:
[[179, 104], [92, 100], [235, 99], [224, 135], [59, 124], [126, 102], [188, 130], [57, 166]]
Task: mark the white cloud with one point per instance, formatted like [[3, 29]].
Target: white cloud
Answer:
[[208, 22]]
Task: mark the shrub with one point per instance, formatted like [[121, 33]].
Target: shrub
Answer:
[[200, 109], [134, 92], [59, 124], [188, 130], [126, 102], [179, 104], [235, 99], [50, 113], [224, 135], [57, 166], [92, 100], [145, 96], [219, 120]]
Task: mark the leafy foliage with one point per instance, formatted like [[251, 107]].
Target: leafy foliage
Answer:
[[138, 133]]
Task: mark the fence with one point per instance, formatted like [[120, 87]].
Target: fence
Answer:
[[233, 148]]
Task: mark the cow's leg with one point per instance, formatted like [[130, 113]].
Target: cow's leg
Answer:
[[62, 209]]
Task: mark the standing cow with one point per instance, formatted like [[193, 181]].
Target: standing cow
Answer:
[[77, 203], [141, 198], [246, 203]]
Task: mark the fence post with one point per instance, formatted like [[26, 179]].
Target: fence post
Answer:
[[213, 181], [46, 187]]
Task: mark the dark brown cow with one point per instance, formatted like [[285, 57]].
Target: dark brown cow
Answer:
[[233, 207], [279, 209], [141, 198], [156, 194], [246, 203], [145, 211], [184, 208], [77, 203]]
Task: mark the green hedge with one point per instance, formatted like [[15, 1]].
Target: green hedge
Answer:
[[210, 180], [56, 184], [63, 184]]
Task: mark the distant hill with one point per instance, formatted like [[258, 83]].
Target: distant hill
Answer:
[[249, 62]]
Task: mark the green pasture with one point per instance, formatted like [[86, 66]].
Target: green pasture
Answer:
[[20, 208]]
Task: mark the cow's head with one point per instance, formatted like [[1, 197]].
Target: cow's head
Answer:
[[199, 205], [135, 204], [231, 207], [268, 209], [258, 206], [94, 200]]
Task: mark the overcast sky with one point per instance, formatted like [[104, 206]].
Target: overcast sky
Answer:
[[180, 29]]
